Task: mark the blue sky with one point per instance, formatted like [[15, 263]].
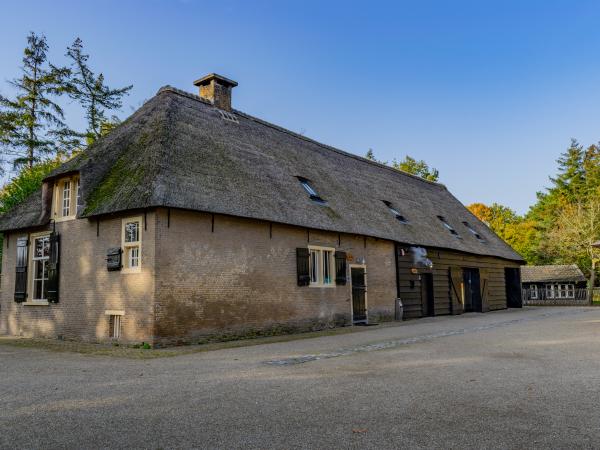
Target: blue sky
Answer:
[[488, 92]]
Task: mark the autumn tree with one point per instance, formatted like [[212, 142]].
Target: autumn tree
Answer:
[[30, 121], [570, 239]]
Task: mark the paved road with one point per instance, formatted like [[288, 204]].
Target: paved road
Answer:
[[511, 379]]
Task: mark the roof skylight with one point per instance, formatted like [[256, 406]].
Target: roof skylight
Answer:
[[310, 190], [448, 226], [395, 212], [473, 231]]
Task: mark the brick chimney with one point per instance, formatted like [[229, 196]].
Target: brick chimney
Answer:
[[216, 89]]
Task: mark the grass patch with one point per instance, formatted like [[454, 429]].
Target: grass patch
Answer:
[[143, 352]]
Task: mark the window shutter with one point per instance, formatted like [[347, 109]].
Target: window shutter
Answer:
[[21, 270], [53, 265], [302, 257], [340, 268]]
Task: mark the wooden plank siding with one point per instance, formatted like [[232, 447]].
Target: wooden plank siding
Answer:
[[491, 273]]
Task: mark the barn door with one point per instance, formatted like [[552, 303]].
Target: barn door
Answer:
[[512, 279], [455, 278], [484, 281], [427, 298], [472, 290]]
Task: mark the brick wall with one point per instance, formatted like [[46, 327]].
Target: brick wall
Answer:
[[87, 289], [241, 277]]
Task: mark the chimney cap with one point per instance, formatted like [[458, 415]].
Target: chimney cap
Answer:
[[213, 76]]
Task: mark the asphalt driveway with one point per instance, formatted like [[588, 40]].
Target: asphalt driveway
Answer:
[[511, 379]]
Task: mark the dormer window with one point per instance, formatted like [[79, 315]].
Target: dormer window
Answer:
[[395, 212], [310, 190], [448, 226], [66, 198], [473, 232]]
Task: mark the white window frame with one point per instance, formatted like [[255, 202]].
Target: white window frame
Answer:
[[31, 269], [560, 290], [317, 253], [128, 247], [58, 204], [533, 292]]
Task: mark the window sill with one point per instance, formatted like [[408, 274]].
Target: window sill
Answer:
[[64, 219], [36, 303], [321, 285], [126, 271]]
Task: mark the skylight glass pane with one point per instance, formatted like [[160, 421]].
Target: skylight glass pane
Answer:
[[395, 212], [447, 225], [309, 188]]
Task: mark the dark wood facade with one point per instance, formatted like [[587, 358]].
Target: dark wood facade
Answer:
[[449, 284]]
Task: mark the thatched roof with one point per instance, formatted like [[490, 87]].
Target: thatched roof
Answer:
[[551, 273], [178, 151]]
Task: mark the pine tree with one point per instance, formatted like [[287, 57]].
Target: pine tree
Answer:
[[591, 167], [92, 94], [570, 182], [29, 121]]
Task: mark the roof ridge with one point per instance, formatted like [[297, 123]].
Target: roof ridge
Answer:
[[169, 88]]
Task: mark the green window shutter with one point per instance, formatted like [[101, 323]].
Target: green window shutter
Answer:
[[21, 270], [302, 265], [340, 268], [53, 265]]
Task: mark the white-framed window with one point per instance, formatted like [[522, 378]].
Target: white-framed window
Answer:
[[322, 266], [40, 253], [533, 292], [560, 290], [132, 244], [66, 198]]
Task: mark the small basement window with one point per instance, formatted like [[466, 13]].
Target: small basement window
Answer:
[[473, 232], [448, 226], [395, 212], [310, 190], [114, 328]]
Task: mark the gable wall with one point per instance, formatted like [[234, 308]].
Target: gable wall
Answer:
[[240, 279], [87, 289]]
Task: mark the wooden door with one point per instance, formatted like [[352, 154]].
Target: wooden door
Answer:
[[472, 290], [359, 295], [512, 279], [427, 298], [455, 276]]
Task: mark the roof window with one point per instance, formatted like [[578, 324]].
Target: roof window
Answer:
[[472, 230], [228, 116], [448, 226], [310, 190], [395, 212]]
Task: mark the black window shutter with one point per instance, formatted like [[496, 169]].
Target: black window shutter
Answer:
[[340, 268], [53, 265], [302, 257], [21, 270]]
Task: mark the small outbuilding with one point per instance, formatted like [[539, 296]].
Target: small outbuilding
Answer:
[[553, 282]]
